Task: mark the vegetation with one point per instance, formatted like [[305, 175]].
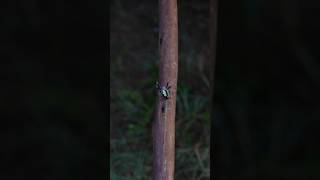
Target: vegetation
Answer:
[[134, 71], [266, 92]]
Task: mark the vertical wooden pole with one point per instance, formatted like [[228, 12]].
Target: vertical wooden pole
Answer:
[[213, 26], [164, 122]]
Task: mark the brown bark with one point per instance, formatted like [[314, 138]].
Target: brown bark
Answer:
[[164, 122]]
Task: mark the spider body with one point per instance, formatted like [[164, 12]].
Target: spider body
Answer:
[[164, 90]]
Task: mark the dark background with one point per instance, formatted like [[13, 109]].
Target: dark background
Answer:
[[133, 75], [265, 110], [265, 113], [53, 89], [266, 104]]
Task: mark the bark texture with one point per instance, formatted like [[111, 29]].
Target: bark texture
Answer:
[[164, 122]]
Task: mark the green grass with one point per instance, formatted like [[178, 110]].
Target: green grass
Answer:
[[133, 73]]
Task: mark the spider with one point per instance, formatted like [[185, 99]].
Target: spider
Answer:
[[164, 91]]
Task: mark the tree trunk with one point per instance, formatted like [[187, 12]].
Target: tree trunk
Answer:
[[164, 122], [213, 24]]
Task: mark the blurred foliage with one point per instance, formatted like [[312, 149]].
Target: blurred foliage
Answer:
[[134, 71], [266, 90]]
